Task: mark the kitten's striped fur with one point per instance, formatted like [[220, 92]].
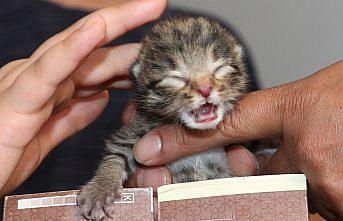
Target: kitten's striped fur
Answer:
[[178, 56]]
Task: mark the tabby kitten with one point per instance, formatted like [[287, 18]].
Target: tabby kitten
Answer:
[[189, 71]]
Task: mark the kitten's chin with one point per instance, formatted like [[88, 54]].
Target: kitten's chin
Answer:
[[207, 116]]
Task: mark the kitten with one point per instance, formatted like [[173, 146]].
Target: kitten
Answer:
[[189, 71]]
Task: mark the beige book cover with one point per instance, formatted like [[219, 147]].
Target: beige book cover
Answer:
[[255, 198]]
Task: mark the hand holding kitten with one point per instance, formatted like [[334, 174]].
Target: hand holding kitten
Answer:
[[307, 114]]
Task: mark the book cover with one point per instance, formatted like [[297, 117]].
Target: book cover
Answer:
[[256, 198], [134, 205]]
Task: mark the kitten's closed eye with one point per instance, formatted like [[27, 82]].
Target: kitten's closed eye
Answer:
[[222, 71], [173, 81]]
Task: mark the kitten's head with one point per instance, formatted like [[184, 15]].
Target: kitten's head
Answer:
[[189, 70]]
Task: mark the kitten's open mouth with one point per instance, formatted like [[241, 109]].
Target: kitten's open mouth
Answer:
[[205, 113]]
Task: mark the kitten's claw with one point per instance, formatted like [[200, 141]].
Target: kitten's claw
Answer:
[[97, 204]]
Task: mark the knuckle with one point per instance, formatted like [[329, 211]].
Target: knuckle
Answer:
[[8, 67], [69, 48], [38, 72], [37, 68], [64, 46]]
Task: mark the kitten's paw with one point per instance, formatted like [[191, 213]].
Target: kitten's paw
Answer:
[[97, 203]]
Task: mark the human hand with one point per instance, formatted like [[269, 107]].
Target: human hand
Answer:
[[306, 114], [62, 87]]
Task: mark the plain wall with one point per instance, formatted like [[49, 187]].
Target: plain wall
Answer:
[[288, 39]]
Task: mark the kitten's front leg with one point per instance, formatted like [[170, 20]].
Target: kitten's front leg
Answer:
[[96, 199]]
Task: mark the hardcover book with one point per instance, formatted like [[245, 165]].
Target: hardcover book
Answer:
[[256, 198], [133, 205]]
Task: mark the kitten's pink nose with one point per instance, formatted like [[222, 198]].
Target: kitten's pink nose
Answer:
[[205, 91]]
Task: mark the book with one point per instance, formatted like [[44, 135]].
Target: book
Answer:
[[258, 198], [255, 198], [133, 205]]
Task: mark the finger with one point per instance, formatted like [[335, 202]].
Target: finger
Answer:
[[116, 85], [105, 67], [10, 67], [130, 15], [7, 77], [257, 116], [62, 125], [105, 64], [129, 112], [35, 86], [241, 161], [119, 19], [121, 85], [150, 177]]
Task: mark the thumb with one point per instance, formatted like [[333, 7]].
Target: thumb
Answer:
[[257, 116]]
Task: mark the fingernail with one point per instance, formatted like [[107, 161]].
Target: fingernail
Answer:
[[89, 23], [147, 148], [153, 177], [82, 93], [125, 84], [129, 112]]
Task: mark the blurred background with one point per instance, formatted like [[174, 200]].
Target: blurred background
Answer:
[[287, 39]]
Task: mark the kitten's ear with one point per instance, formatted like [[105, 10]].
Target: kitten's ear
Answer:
[[136, 70], [238, 49]]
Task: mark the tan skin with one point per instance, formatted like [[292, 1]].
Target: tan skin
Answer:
[[34, 122]]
